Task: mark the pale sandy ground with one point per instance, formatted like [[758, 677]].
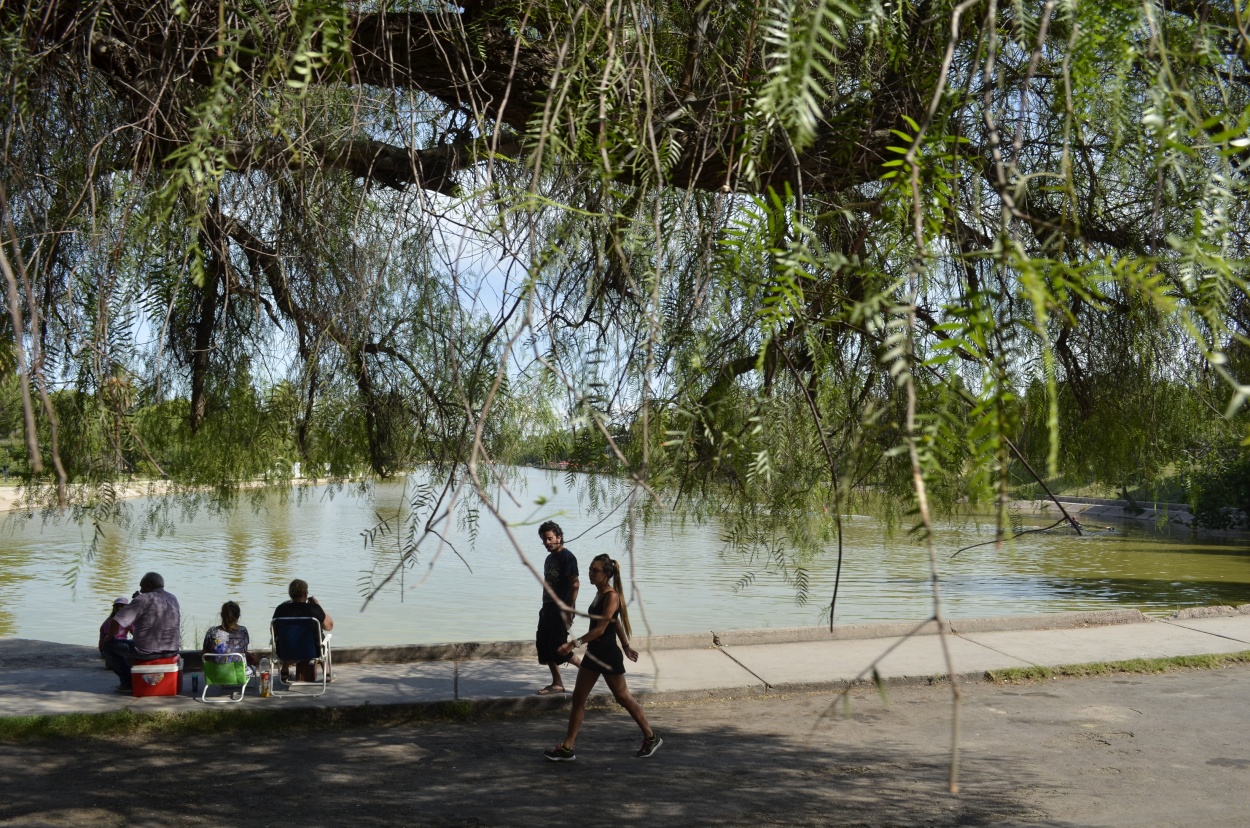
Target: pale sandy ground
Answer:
[[10, 495], [10, 498], [1155, 751]]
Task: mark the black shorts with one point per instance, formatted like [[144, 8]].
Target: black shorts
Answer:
[[606, 661], [550, 636]]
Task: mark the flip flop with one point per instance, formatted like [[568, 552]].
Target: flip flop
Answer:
[[550, 690]]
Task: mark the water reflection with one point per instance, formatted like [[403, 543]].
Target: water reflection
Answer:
[[12, 581], [109, 570], [1138, 592], [236, 554], [688, 584]]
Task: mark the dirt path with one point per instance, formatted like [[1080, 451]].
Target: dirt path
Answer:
[[1159, 751]]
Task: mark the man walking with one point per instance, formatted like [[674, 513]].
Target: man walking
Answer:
[[560, 575], [157, 622]]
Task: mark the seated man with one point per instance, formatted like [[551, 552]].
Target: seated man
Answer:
[[156, 618], [302, 605]]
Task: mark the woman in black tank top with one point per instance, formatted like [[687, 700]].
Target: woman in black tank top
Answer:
[[609, 621]]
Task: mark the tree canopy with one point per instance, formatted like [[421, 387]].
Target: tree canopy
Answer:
[[761, 254]]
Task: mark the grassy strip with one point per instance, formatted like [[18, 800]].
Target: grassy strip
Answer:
[[201, 722], [1147, 666]]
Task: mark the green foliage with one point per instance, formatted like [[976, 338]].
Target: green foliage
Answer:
[[803, 39], [1219, 488], [761, 260]]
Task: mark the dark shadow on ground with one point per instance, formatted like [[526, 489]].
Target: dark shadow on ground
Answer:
[[493, 773]]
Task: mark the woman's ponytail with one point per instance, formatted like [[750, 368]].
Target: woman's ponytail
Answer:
[[613, 570], [616, 584], [230, 616]]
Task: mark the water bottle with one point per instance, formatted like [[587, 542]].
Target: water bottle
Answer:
[[266, 684]]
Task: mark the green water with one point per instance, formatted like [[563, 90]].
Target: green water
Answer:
[[683, 581]]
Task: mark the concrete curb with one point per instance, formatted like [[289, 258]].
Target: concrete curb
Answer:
[[1209, 612], [29, 652], [1049, 621], [1093, 509], [1115, 501]]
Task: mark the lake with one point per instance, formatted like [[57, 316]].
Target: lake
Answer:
[[50, 590]]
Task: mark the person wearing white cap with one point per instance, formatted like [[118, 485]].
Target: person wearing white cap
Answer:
[[110, 629], [156, 619]]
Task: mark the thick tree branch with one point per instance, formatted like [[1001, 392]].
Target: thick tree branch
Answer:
[[396, 167]]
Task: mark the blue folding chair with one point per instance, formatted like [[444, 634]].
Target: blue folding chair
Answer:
[[301, 639]]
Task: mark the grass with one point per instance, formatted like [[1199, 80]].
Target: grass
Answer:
[[204, 722], [1140, 666]]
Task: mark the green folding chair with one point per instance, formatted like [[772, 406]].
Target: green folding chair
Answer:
[[225, 670]]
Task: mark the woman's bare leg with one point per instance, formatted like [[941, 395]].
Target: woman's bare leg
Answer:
[[581, 691], [620, 691]]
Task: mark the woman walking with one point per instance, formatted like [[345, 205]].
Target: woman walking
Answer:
[[609, 620]]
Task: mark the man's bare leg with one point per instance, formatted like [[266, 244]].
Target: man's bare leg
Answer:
[[557, 681]]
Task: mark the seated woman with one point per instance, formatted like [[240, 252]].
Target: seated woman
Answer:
[[110, 630], [229, 637]]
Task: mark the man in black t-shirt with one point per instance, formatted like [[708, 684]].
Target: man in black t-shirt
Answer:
[[302, 605], [560, 574]]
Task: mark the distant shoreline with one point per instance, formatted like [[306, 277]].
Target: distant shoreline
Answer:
[[1086, 510], [1093, 510], [10, 501]]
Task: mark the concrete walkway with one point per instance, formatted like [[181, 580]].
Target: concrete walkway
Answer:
[[43, 678], [1090, 512]]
